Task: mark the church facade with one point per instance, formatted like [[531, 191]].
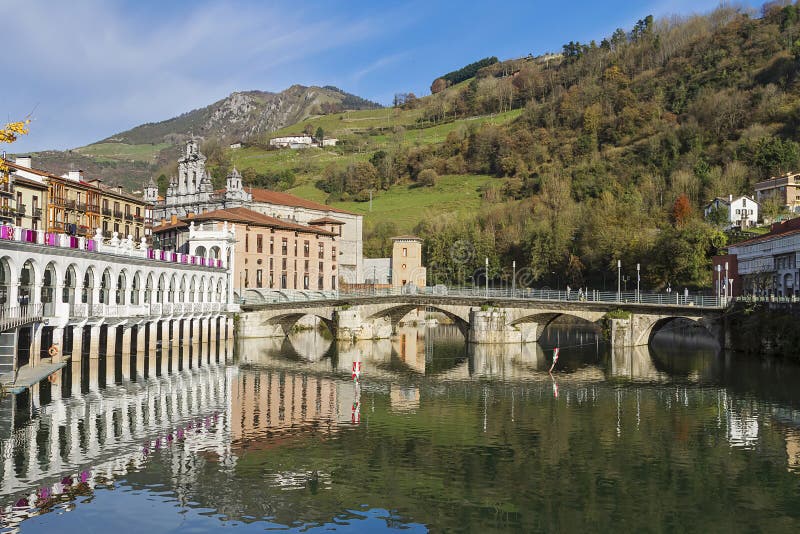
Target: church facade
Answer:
[[191, 193]]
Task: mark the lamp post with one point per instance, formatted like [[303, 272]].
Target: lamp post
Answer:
[[727, 295], [513, 277], [619, 278], [486, 276], [719, 283], [638, 279]]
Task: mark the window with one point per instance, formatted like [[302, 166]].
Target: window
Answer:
[[259, 274], [283, 264], [284, 247], [405, 251], [306, 281], [321, 251], [295, 247], [272, 245], [127, 230], [271, 264], [320, 283], [283, 281], [305, 266], [245, 278], [271, 280], [307, 247], [403, 267], [294, 284], [35, 203], [333, 282], [321, 267], [246, 242], [737, 212], [259, 244], [116, 227], [333, 253]]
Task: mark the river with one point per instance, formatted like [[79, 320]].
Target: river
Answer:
[[437, 435]]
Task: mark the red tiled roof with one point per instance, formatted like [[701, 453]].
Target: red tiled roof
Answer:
[[248, 216], [790, 227], [170, 225], [285, 199]]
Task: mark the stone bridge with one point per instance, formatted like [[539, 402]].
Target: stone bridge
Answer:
[[509, 320]]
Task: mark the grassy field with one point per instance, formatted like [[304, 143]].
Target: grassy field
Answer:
[[406, 206], [122, 151]]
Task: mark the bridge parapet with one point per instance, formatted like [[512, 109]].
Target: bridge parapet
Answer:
[[508, 320]]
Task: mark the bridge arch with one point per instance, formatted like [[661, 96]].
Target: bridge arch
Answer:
[[647, 331], [288, 320], [396, 313]]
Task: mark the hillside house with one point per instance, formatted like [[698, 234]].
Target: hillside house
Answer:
[[742, 211]]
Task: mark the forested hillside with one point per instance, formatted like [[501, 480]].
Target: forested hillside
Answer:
[[616, 148]]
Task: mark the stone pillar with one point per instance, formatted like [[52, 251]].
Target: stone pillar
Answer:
[[77, 343], [176, 341], [491, 326], [126, 353], [58, 341], [111, 360], [36, 344], [185, 346], [94, 342], [196, 345]]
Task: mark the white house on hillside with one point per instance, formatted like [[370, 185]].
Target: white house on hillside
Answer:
[[742, 211]]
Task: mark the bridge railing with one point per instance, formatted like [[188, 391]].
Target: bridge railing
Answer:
[[605, 297], [14, 316]]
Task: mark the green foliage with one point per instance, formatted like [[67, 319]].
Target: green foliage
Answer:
[[468, 71], [719, 216], [618, 314]]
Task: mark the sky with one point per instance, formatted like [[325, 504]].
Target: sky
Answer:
[[83, 70]]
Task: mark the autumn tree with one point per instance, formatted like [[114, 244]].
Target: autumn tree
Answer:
[[9, 133], [681, 210]]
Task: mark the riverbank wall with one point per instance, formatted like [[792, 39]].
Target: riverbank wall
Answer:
[[769, 329]]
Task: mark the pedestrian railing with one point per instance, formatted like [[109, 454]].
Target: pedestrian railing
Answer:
[[15, 316], [604, 297]]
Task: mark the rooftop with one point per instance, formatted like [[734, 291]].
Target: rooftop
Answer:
[[248, 216]]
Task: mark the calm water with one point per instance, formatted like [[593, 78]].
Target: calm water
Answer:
[[439, 436]]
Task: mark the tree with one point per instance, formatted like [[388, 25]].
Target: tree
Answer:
[[438, 85], [681, 210], [9, 133], [320, 135], [719, 216], [427, 178]]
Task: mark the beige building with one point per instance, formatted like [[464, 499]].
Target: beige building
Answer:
[[785, 188], [270, 253], [407, 262], [21, 201], [78, 207]]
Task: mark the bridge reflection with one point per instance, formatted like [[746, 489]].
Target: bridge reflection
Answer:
[[442, 354]]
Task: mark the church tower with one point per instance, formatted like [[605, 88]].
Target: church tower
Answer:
[[235, 195], [151, 192]]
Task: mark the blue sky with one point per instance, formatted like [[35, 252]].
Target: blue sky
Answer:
[[86, 69]]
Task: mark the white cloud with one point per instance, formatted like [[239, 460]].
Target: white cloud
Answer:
[[100, 68]]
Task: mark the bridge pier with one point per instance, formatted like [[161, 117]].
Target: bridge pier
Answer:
[[492, 326]]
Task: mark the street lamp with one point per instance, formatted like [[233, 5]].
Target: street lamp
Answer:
[[513, 277], [486, 276], [619, 278], [638, 279], [726, 281], [719, 283]]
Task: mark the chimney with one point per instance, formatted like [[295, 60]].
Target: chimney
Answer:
[[174, 219], [730, 198], [163, 221], [75, 176], [24, 161]]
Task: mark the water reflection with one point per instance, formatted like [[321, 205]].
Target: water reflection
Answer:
[[438, 434]]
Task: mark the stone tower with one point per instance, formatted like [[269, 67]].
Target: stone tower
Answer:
[[191, 171], [151, 192], [407, 262], [235, 195]]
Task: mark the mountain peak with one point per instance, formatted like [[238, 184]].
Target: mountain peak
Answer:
[[244, 114]]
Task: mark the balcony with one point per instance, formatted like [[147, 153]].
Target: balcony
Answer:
[[71, 204], [37, 213], [93, 208], [6, 212], [7, 187], [21, 208], [106, 211], [58, 201], [128, 217], [118, 214]]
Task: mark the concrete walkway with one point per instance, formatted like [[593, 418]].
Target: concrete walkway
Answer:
[[28, 376]]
